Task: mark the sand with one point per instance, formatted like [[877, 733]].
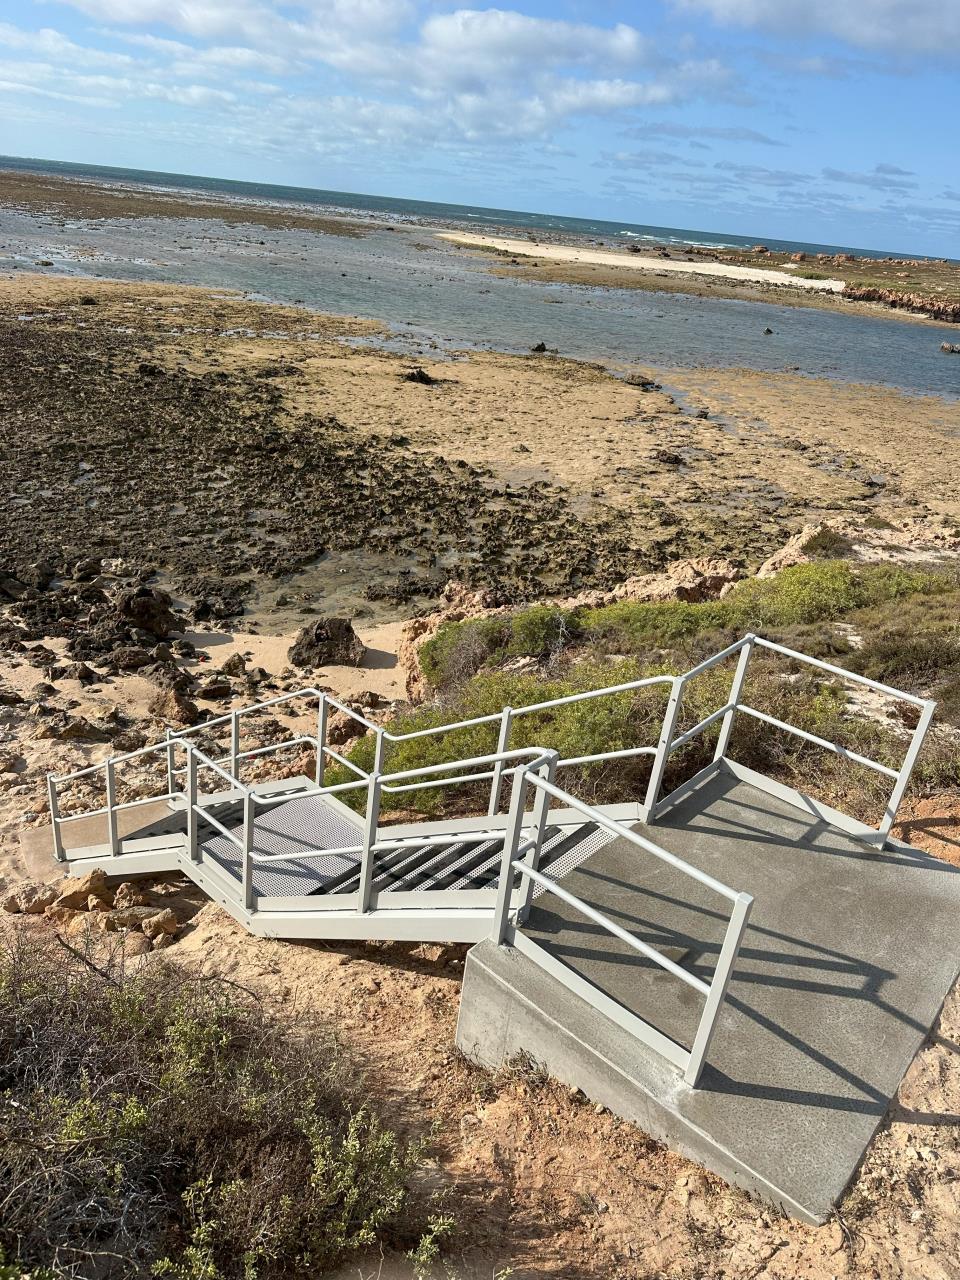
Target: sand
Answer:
[[638, 261]]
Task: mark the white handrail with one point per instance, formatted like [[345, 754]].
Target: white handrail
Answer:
[[669, 741]]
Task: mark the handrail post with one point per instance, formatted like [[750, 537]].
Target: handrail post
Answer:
[[496, 783], [906, 769], [234, 745], [541, 808], [248, 894], [59, 852], [511, 843], [193, 849], [113, 839], [371, 823], [171, 764], [663, 746], [736, 692], [322, 713], [718, 988]]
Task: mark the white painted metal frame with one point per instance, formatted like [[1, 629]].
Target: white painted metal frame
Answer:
[[669, 743], [520, 855]]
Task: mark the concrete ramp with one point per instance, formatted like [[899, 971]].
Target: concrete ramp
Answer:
[[844, 966]]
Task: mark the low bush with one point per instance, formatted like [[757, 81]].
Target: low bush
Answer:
[[158, 1124]]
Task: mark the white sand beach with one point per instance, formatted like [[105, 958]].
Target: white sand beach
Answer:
[[636, 261]]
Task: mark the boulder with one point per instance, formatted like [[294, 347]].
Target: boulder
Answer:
[[120, 919], [129, 894], [76, 893], [130, 657], [173, 707], [327, 642], [63, 728], [29, 898], [163, 924], [235, 665], [148, 608]]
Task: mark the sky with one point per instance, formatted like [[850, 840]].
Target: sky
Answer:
[[831, 121]]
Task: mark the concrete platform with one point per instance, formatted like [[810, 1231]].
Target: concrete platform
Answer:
[[844, 967]]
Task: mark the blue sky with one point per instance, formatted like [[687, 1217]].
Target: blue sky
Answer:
[[824, 120]]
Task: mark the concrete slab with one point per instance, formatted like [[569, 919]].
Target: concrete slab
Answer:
[[844, 968], [36, 843]]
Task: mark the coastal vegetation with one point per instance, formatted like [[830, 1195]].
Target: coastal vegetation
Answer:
[[161, 1124], [894, 623]]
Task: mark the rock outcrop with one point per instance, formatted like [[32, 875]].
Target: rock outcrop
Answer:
[[327, 642]]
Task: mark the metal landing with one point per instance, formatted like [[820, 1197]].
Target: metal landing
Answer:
[[845, 963]]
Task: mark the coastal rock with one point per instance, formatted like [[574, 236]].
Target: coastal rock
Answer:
[[163, 924], [791, 552], [76, 893], [31, 897], [951, 348], [148, 608], [693, 581], [327, 642], [921, 304], [173, 707], [63, 728]]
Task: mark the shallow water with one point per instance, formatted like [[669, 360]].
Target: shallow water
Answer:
[[435, 297]]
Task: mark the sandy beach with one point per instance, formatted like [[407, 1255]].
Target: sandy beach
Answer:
[[638, 261]]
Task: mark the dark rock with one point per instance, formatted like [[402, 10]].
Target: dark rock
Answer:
[[148, 608], [235, 665], [539, 349], [330, 641], [130, 657], [419, 376]]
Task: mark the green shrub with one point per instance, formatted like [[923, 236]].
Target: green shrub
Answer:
[[460, 649], [154, 1122]]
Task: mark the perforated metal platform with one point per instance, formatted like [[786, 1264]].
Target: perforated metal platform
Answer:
[[309, 824]]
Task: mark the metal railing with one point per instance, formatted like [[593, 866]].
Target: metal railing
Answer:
[[521, 855], [230, 764]]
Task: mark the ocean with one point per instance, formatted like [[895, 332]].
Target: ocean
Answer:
[[428, 211]]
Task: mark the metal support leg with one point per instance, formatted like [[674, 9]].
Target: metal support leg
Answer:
[[322, 713], [193, 844], [718, 988], [58, 850], [736, 693], [234, 745], [171, 765], [113, 838], [248, 894], [496, 784], [370, 826], [511, 843], [906, 769], [541, 807], [667, 734]]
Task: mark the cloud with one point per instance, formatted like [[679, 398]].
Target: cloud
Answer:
[[478, 72], [899, 26], [884, 177], [664, 129]]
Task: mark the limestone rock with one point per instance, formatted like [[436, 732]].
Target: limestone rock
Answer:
[[328, 641], [173, 707], [74, 894], [30, 898], [164, 923], [129, 894], [790, 553]]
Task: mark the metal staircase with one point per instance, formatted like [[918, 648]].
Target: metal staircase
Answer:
[[289, 859]]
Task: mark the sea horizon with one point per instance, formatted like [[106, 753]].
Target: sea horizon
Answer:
[[434, 212]]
